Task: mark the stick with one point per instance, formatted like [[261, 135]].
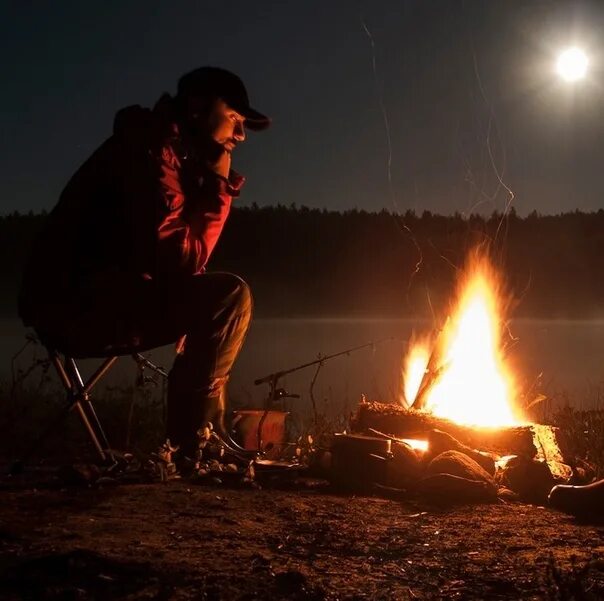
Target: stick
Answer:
[[433, 371]]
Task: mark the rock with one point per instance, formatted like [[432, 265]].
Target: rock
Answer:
[[530, 478], [439, 442], [459, 464]]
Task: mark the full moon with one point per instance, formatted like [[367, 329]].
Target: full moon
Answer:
[[572, 64]]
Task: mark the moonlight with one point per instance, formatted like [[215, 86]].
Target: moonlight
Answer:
[[572, 64]]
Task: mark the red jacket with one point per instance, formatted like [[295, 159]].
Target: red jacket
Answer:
[[142, 207]]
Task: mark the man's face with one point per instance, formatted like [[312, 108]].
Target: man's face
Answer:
[[225, 125]]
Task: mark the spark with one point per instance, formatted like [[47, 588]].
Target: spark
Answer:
[[498, 173]]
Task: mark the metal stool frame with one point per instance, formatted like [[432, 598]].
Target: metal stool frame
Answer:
[[78, 398]]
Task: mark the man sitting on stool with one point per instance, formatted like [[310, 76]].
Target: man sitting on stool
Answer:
[[120, 265]]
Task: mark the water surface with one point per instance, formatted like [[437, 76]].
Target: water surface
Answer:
[[567, 355]]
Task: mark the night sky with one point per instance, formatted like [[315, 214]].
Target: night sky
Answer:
[[469, 91]]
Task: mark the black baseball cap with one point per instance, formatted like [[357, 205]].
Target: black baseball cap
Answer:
[[226, 85]]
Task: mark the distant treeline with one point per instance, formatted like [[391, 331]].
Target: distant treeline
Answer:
[[302, 261]]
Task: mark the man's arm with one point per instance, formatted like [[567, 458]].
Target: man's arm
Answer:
[[195, 203], [175, 209]]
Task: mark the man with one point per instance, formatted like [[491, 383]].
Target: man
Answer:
[[121, 263]]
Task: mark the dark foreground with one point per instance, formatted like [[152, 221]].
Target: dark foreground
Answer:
[[184, 541]]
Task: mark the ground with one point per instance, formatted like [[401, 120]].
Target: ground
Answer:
[[179, 540]]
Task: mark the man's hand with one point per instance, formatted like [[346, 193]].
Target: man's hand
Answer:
[[218, 158], [222, 165]]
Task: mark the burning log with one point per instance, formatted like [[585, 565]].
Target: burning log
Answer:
[[533, 441], [362, 462], [529, 458]]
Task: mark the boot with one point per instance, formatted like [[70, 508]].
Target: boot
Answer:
[[188, 413], [213, 411], [579, 500]]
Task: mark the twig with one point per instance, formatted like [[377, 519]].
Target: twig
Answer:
[[433, 371], [386, 436]]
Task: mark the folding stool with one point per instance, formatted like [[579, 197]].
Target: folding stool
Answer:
[[78, 395]]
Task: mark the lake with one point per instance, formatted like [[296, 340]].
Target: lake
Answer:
[[569, 355]]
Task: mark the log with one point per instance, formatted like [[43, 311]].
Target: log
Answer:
[[529, 441], [359, 461]]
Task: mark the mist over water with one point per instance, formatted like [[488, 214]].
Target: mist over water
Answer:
[[569, 355]]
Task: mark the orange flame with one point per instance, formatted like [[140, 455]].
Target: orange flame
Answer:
[[414, 369], [416, 445], [471, 383]]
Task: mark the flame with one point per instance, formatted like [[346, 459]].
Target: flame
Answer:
[[415, 368], [416, 445], [472, 384]]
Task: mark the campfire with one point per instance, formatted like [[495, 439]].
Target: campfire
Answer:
[[464, 377], [460, 412]]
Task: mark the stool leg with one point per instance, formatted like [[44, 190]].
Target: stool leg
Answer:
[[85, 407], [75, 386], [77, 396], [90, 429]]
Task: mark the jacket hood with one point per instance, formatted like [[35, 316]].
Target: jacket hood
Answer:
[[136, 122], [131, 118]]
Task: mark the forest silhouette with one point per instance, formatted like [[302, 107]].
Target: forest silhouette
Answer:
[[313, 262]]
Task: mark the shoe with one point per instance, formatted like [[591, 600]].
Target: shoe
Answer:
[[188, 414], [213, 412]]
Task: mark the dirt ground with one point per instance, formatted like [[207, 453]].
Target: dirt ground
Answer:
[[179, 540]]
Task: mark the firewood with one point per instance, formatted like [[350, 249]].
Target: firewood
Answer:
[[433, 369], [400, 422], [359, 461], [404, 467]]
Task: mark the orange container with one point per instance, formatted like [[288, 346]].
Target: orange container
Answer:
[[246, 423]]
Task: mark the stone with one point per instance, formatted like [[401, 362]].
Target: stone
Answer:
[[458, 464], [530, 478]]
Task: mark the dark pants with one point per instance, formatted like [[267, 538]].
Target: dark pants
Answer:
[[212, 310]]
